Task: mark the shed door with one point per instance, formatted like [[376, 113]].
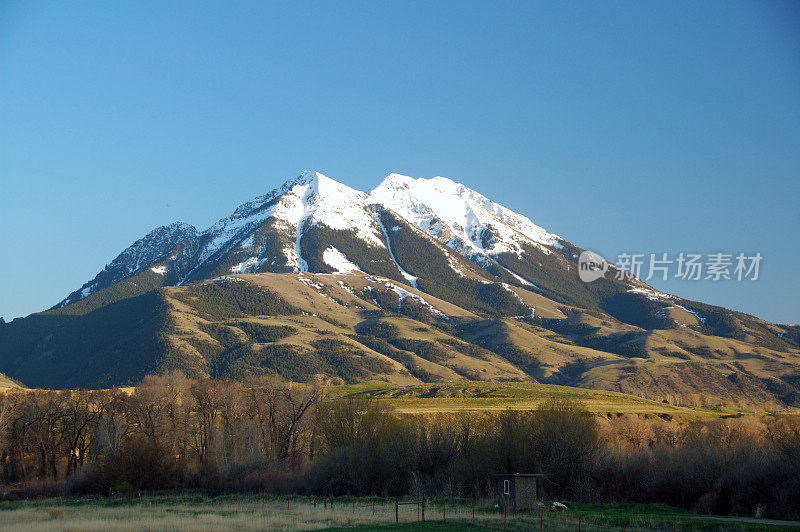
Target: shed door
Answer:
[[506, 487]]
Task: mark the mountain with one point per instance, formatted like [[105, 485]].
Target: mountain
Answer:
[[417, 280], [460, 217], [313, 223], [159, 246]]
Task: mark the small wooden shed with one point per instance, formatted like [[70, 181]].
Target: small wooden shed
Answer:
[[517, 491]]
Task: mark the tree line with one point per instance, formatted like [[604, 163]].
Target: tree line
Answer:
[[172, 432]]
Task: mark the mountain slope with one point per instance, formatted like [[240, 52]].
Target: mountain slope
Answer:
[[350, 327], [466, 220], [311, 223], [165, 243], [466, 288]]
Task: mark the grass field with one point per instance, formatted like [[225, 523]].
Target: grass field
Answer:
[[303, 513], [494, 396]]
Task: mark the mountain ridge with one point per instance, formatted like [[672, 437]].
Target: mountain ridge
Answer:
[[419, 280], [311, 199], [315, 223]]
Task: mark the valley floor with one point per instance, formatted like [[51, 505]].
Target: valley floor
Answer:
[[254, 512]]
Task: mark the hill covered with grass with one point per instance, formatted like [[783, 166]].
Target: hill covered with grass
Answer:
[[353, 327]]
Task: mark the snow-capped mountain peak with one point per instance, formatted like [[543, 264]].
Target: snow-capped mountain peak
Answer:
[[300, 203], [459, 216], [155, 247], [334, 204], [313, 222]]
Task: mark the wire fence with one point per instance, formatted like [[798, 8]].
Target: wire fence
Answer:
[[254, 512]]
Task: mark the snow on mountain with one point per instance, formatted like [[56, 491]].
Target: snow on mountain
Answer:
[[265, 234], [403, 294], [412, 280], [336, 260], [312, 198], [465, 220], [249, 265], [315, 198], [339, 206], [152, 248], [155, 247]]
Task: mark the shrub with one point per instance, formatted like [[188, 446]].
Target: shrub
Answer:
[[233, 299], [378, 329], [261, 333]]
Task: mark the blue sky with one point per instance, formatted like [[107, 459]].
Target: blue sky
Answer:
[[622, 126]]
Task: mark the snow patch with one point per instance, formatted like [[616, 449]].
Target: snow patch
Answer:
[[161, 270], [310, 283], [509, 289], [663, 313], [412, 280], [455, 266], [694, 313], [533, 310], [87, 291], [519, 278], [404, 294], [252, 264], [650, 293], [345, 287], [336, 260]]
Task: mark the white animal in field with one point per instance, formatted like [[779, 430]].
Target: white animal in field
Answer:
[[558, 507]]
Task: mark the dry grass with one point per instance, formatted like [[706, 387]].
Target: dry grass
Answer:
[[260, 513], [333, 310], [245, 513]]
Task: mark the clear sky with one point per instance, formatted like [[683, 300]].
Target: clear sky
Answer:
[[622, 126]]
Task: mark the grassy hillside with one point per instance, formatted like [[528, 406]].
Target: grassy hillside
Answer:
[[495, 396], [116, 344], [7, 383], [350, 328]]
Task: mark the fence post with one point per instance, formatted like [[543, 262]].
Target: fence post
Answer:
[[418, 511], [505, 514], [373, 508], [396, 514], [624, 525], [579, 523], [444, 510], [288, 500], [423, 507], [473, 511], [354, 506], [541, 520]]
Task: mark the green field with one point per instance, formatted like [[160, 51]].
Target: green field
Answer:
[[255, 512], [494, 396]]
